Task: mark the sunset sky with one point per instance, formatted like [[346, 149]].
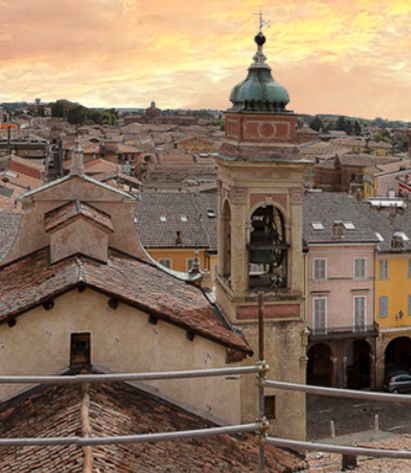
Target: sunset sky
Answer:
[[349, 57]]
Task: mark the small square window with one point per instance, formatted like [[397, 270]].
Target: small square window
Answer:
[[349, 225], [165, 262], [184, 218], [269, 407], [317, 225], [80, 349], [163, 219]]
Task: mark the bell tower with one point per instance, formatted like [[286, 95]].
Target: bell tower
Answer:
[[260, 176]]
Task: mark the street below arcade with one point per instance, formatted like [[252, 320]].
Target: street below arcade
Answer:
[[354, 415]]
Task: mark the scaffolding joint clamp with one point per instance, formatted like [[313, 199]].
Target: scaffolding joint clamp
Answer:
[[263, 428], [263, 368]]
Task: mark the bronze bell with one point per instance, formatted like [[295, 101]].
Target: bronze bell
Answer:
[[260, 238]]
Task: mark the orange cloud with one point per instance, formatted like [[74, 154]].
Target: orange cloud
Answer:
[[344, 56]]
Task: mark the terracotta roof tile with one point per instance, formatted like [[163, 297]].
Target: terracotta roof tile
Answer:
[[9, 227], [119, 409], [30, 281], [62, 214]]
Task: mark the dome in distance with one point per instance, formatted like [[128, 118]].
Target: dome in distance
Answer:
[[259, 92]]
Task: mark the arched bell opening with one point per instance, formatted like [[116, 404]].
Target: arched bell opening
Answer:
[[267, 250]]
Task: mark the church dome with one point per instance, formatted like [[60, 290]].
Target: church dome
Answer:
[[259, 92]]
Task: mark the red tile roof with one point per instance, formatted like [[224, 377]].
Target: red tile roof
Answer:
[[67, 212], [30, 281], [115, 410]]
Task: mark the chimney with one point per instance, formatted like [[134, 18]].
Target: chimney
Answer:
[[397, 241], [178, 239], [196, 264], [391, 193], [338, 228], [77, 165]]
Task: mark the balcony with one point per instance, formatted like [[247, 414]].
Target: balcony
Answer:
[[339, 333]]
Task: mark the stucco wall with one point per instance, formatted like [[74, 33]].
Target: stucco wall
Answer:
[[340, 287], [122, 340]]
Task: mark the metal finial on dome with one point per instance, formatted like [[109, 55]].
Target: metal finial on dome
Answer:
[[259, 92], [262, 22]]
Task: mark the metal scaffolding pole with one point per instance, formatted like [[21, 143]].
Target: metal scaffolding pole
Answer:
[[160, 437], [343, 393], [263, 369], [104, 378], [372, 452]]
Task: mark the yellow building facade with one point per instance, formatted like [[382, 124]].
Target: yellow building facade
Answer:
[[392, 311], [181, 259]]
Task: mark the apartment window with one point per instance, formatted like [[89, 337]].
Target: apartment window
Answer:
[[359, 312], [384, 269], [320, 314], [165, 262], [383, 306], [190, 263], [320, 269], [409, 305], [409, 268], [360, 268]]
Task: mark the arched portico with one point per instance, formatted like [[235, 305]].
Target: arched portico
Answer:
[[397, 354], [358, 365], [320, 367]]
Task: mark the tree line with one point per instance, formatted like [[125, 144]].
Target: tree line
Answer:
[[77, 114]]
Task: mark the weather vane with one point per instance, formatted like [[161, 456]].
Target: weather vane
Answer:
[[262, 22]]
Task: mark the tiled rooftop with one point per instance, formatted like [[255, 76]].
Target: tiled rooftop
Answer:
[[30, 281], [9, 226], [328, 207], [71, 210], [119, 409], [197, 229]]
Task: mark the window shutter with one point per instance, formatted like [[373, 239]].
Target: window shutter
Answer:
[[359, 311], [320, 320], [383, 306]]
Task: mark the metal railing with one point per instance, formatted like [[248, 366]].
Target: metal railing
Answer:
[[339, 332], [260, 427]]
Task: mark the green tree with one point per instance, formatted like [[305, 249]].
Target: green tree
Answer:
[[341, 123], [317, 124], [57, 108], [95, 116], [357, 128], [76, 114]]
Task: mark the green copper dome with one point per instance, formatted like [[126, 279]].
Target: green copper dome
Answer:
[[259, 92]]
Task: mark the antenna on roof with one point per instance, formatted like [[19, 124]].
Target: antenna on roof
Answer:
[[262, 22]]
